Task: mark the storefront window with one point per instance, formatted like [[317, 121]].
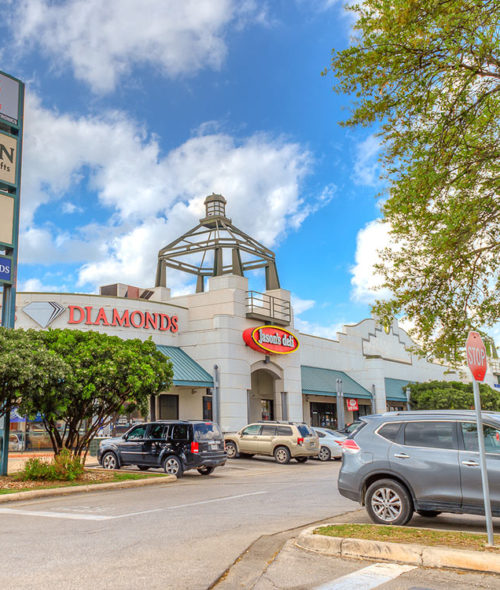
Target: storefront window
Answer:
[[323, 415], [267, 409]]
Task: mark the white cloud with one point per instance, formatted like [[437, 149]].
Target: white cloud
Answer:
[[37, 286], [365, 281], [103, 41], [366, 166], [301, 305], [323, 331], [70, 208], [151, 198]]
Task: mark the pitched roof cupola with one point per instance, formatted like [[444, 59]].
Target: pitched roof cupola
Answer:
[[200, 251]]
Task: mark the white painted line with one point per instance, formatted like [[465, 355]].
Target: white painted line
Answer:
[[80, 516], [369, 577]]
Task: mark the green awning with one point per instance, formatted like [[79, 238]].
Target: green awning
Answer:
[[395, 389], [187, 372], [317, 381]]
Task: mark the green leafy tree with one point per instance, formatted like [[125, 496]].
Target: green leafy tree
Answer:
[[108, 376], [427, 74], [28, 370], [451, 395]]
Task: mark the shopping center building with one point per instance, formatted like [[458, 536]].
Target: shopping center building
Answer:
[[237, 354]]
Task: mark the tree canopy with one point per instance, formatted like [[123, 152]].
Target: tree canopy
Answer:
[[427, 74], [451, 395]]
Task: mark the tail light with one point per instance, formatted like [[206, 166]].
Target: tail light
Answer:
[[195, 447], [339, 442], [300, 441], [350, 446]]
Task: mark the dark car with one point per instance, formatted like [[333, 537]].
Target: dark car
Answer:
[[174, 445], [428, 462]]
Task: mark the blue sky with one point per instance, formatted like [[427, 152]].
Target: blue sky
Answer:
[[136, 110]]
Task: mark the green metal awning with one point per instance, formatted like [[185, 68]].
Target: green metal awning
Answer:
[[187, 372], [395, 389], [317, 381]]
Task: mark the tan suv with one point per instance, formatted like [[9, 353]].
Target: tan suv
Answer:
[[281, 440]]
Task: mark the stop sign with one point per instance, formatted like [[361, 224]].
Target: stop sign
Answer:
[[476, 355]]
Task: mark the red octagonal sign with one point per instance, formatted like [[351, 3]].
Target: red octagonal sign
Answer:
[[476, 356]]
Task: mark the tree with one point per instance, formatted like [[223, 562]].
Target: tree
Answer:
[[108, 376], [427, 72], [27, 370], [451, 395]]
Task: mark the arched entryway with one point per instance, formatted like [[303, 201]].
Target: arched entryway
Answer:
[[266, 396]]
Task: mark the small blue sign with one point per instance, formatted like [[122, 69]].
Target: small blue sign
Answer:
[[5, 270]]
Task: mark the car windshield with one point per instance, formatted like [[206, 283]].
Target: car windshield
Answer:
[[207, 431], [305, 430]]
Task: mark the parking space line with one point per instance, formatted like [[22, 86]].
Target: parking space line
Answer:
[[368, 577], [80, 516]]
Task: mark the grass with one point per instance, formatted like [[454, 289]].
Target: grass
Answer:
[[93, 478], [398, 534]]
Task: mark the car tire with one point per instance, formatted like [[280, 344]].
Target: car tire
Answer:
[[231, 450], [388, 502], [428, 513], [173, 466], [110, 461], [205, 470], [143, 467], [301, 459], [324, 454], [282, 455]]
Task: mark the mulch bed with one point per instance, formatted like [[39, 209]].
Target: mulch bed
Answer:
[[10, 483]]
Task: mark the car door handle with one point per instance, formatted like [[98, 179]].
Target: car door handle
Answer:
[[470, 463], [402, 455]]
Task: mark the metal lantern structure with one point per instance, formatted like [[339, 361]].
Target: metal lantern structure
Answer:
[[200, 251]]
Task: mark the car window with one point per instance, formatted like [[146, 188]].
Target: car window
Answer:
[[268, 430], [253, 429], [137, 433], [390, 431], [284, 431], [180, 432], [207, 431], [319, 433], [438, 435], [305, 430], [491, 437], [157, 431]]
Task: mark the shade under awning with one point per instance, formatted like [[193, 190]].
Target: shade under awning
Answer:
[[187, 372]]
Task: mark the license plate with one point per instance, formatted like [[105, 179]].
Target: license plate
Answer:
[[214, 445]]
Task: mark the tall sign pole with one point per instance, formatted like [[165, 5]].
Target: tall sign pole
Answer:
[[11, 136], [476, 360]]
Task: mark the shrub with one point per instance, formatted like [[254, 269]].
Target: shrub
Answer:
[[36, 469], [64, 467]]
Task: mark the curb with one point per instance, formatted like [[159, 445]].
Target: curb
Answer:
[[47, 493], [419, 555]]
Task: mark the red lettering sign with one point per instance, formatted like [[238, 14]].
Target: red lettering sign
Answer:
[[125, 319], [352, 405], [271, 339]]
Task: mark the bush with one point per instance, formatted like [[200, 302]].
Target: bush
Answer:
[[64, 467]]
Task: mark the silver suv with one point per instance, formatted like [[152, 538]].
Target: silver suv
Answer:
[[281, 440], [428, 462]]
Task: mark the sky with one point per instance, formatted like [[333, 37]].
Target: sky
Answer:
[[136, 110]]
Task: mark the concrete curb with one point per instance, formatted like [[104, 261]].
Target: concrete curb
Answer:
[[419, 555], [96, 487]]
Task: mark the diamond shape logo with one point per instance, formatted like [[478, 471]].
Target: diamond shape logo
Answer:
[[44, 312]]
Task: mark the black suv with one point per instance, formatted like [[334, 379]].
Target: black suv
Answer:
[[175, 445]]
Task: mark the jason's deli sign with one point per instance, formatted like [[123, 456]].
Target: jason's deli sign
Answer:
[[271, 339], [124, 319]]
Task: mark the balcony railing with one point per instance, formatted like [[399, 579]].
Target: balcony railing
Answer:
[[268, 308]]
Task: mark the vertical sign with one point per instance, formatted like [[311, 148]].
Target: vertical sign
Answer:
[[476, 360], [11, 133]]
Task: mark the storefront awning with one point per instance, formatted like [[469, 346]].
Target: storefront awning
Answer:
[[395, 389], [187, 372], [317, 381]]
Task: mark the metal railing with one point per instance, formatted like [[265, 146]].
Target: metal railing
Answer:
[[268, 308]]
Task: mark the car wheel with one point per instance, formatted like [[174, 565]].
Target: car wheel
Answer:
[[109, 461], [428, 513], [231, 450], [143, 467], [324, 454], [173, 466], [282, 455], [301, 459], [388, 502], [205, 470]]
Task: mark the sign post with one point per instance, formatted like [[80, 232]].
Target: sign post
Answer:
[[11, 135], [476, 360]]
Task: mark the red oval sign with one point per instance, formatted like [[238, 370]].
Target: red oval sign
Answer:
[[476, 356], [271, 339]]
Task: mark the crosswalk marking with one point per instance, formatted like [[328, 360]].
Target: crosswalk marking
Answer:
[[368, 577]]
